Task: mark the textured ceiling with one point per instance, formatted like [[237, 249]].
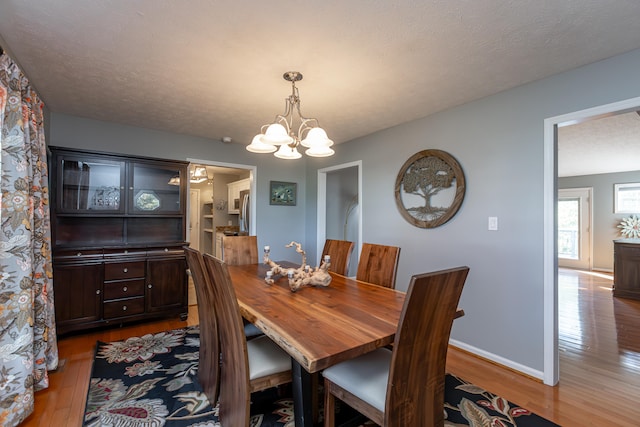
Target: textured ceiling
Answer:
[[214, 68], [609, 144]]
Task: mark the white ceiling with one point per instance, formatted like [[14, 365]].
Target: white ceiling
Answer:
[[214, 68], [606, 145]]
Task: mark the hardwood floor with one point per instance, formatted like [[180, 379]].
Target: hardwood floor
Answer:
[[62, 404], [599, 340]]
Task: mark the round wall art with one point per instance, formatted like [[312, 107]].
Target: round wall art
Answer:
[[429, 188]]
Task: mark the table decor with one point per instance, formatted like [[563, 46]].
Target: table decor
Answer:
[[301, 276], [630, 227]]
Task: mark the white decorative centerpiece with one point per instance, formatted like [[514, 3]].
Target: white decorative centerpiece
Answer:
[[301, 276], [630, 227]]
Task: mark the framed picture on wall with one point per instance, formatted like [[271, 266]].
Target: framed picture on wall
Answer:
[[282, 193], [626, 198]]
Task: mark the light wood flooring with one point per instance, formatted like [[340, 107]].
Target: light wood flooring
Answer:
[[599, 340]]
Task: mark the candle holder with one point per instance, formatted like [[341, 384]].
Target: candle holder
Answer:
[[301, 276]]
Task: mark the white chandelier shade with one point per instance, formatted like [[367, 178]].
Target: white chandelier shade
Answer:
[[257, 146], [287, 152], [281, 131], [319, 152], [316, 137], [276, 134]]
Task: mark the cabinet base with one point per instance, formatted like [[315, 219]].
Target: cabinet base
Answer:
[[79, 328]]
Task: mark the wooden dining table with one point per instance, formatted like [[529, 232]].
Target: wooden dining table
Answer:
[[317, 326]]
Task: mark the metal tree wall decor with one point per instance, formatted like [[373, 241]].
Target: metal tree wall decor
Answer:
[[429, 188]]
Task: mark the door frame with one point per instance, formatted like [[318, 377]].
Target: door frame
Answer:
[[321, 227], [196, 192], [551, 365], [585, 195]]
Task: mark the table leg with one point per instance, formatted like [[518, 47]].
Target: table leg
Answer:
[[302, 395]]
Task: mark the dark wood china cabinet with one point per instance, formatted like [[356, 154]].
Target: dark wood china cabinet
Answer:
[[118, 228]]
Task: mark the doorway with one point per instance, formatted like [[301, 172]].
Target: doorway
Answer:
[[342, 218], [574, 228], [213, 212], [551, 373]]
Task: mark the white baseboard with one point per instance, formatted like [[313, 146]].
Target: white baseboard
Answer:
[[498, 359]]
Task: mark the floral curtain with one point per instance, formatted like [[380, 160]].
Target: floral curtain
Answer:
[[28, 348]]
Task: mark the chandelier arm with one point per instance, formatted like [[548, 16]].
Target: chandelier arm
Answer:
[[282, 120], [306, 125]]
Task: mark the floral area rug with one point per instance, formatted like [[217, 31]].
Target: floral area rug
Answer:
[[152, 381]]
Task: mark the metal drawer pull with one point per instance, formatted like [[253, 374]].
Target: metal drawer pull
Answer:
[[149, 286], [98, 292], [79, 254], [124, 308], [125, 289], [125, 270]]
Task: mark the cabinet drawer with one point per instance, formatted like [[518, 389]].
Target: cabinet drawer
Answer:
[[123, 270], [73, 255], [125, 253], [628, 251], [125, 289], [123, 307]]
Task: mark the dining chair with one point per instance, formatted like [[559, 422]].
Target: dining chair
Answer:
[[340, 253], [209, 367], [237, 250], [246, 366], [404, 386], [378, 264]]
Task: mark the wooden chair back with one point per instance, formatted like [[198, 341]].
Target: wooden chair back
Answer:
[[340, 253], [415, 391], [209, 367], [234, 395], [237, 250], [378, 264]]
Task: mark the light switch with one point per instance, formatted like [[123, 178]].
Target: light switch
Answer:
[[493, 223]]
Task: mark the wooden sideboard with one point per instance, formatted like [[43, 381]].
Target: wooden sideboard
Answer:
[[626, 268], [118, 231]]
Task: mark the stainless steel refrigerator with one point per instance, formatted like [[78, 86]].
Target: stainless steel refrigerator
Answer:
[[243, 220]]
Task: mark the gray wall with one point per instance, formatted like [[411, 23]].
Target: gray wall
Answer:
[[497, 140], [605, 222]]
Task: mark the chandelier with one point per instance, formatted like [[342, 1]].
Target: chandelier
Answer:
[[196, 176], [281, 131]]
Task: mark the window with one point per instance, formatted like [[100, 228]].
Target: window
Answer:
[[569, 228], [627, 198]]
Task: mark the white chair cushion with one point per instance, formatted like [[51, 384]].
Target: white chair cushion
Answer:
[[365, 377], [266, 358]]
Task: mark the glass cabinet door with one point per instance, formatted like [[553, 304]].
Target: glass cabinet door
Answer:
[[90, 185], [155, 189]]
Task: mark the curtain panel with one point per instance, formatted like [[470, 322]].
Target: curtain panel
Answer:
[[28, 348]]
